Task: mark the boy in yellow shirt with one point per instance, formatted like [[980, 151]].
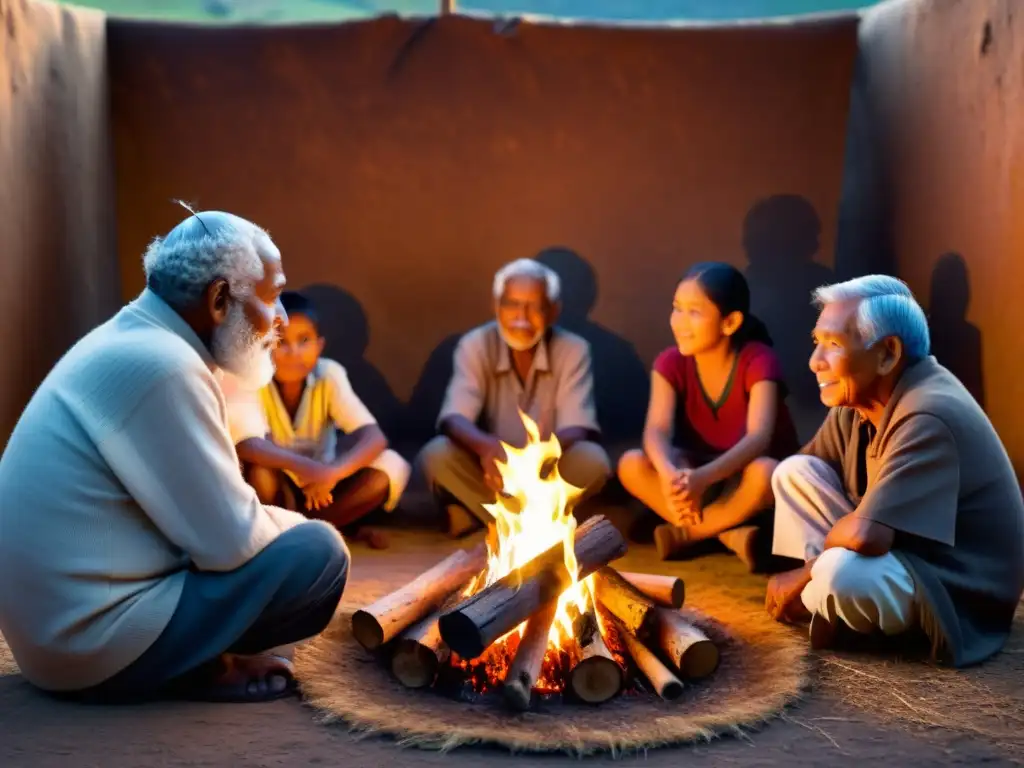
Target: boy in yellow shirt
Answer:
[[308, 436]]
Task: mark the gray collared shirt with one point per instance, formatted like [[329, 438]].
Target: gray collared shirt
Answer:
[[485, 388]]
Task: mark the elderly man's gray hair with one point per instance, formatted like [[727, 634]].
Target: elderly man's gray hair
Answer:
[[528, 268], [886, 308], [203, 247]]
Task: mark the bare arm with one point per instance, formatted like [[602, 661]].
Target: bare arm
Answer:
[[660, 425], [266, 453], [462, 431], [761, 415], [464, 399], [865, 537], [350, 415], [369, 443]]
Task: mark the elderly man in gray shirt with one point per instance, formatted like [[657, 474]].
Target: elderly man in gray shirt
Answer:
[[520, 361]]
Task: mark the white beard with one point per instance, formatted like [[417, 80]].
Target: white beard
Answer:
[[237, 349], [519, 346]]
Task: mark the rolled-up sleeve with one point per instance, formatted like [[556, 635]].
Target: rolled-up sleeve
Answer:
[[468, 386], [574, 393], [917, 487], [175, 457]]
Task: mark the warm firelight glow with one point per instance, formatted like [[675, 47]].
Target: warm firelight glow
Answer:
[[531, 517]]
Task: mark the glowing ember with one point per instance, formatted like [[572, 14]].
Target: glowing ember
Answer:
[[531, 517]]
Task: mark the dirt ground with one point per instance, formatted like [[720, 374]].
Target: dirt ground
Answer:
[[840, 722]]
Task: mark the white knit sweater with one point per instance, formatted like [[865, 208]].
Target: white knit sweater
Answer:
[[119, 477]]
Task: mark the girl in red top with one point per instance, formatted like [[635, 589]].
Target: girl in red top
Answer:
[[717, 423]]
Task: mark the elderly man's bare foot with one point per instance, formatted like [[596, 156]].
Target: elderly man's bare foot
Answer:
[[372, 537], [260, 677]]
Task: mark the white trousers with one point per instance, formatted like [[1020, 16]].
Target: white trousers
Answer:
[[867, 593]]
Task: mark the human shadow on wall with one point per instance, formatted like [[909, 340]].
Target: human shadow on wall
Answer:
[[344, 326], [781, 236], [956, 343], [621, 382], [428, 393]]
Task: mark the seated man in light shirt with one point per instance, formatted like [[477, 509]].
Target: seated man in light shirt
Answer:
[[520, 361], [307, 441], [135, 561]]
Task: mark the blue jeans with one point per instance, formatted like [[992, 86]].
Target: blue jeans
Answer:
[[287, 593]]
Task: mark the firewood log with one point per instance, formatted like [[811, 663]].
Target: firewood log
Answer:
[[419, 653], [634, 609], [525, 670], [596, 676], [380, 622], [666, 684], [667, 591], [685, 646], [495, 610]]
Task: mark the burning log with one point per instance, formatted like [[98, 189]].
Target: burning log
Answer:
[[661, 678], [667, 591], [689, 649], [596, 677], [524, 671], [378, 623], [504, 605], [634, 609]]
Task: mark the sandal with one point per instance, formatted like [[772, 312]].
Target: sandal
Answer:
[[237, 684]]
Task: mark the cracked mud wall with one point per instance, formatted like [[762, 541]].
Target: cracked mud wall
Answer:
[[58, 273], [937, 188]]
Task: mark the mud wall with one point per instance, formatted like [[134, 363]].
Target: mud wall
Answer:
[[399, 163], [57, 275], [935, 182]]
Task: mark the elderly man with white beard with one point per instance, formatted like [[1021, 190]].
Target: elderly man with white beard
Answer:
[[135, 561], [520, 361]]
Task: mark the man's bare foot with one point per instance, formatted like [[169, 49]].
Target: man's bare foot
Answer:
[[372, 537], [460, 521], [260, 677], [670, 540], [741, 542]]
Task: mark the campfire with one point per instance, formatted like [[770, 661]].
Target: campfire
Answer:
[[536, 609]]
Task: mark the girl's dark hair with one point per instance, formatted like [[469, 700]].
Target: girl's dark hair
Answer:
[[727, 289]]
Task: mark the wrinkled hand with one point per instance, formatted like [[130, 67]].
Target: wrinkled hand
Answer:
[[782, 598], [489, 459], [318, 496]]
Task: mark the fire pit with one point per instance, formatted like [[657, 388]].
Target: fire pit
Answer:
[[536, 609]]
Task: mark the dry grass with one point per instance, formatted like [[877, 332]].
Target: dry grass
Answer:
[[985, 701], [764, 667]]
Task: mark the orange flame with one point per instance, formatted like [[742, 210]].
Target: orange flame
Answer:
[[531, 517]]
